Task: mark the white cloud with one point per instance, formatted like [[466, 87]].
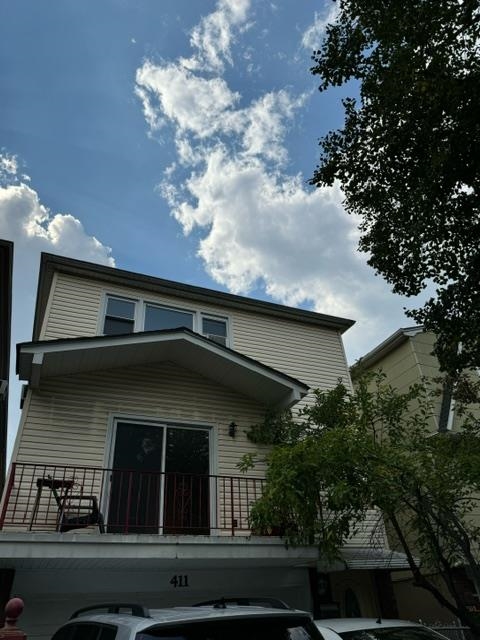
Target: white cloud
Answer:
[[212, 37], [313, 35], [258, 226], [193, 104], [8, 166], [33, 229]]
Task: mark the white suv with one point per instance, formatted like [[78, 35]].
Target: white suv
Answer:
[[191, 623]]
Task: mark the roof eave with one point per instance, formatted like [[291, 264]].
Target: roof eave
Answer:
[[51, 263], [45, 359], [379, 352]]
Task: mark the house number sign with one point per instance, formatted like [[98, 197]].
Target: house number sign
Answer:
[[179, 581]]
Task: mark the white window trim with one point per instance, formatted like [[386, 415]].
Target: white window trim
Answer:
[[168, 308], [139, 315], [103, 311], [115, 417], [213, 316]]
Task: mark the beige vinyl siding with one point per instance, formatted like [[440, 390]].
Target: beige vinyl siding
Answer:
[[423, 344], [312, 354], [69, 417], [403, 368], [370, 533], [74, 309], [69, 422], [400, 366]]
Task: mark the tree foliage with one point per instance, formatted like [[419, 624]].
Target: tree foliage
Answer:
[[348, 453], [407, 156]]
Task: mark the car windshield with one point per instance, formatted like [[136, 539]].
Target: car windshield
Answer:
[[391, 633], [248, 629]]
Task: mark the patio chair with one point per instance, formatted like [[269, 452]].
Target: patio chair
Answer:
[[75, 511]]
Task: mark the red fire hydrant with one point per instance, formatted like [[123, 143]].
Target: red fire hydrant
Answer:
[[13, 610]]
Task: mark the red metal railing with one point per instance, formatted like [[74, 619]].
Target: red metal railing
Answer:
[[42, 497]]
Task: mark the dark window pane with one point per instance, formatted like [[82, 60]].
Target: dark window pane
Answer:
[[214, 327], [63, 634], [108, 633], [251, 629], [187, 451], [117, 326], [187, 492], [120, 308], [86, 631], [135, 479], [160, 318]]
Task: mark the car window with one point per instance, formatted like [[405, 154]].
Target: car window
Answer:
[[86, 631], [247, 629], [392, 633]]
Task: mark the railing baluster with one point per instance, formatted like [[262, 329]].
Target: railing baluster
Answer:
[[8, 493], [132, 502], [232, 524], [129, 501]]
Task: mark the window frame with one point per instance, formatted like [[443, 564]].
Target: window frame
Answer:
[[114, 296], [140, 306], [147, 303], [217, 318]]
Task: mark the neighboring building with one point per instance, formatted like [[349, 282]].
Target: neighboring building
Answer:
[[124, 482], [6, 262], [406, 358]]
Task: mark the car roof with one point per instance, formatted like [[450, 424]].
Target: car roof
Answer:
[[187, 614], [356, 624]]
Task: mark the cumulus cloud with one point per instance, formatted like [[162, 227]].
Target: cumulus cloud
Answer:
[[313, 35], [258, 226], [212, 38], [33, 229]]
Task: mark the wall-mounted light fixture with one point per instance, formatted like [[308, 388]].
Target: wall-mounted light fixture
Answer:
[[232, 429]]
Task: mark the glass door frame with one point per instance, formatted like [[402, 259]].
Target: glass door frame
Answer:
[[163, 424]]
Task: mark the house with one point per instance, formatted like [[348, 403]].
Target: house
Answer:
[[124, 483], [406, 358]]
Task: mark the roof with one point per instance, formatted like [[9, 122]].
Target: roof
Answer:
[[50, 264], [385, 347], [67, 356]]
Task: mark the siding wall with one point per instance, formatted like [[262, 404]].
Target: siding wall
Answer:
[[68, 417], [66, 421], [403, 368], [310, 353]]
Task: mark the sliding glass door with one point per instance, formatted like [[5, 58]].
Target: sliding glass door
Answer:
[[159, 479]]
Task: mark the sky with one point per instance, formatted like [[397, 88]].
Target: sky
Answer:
[[176, 139]]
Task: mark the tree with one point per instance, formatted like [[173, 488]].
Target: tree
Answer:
[[347, 452], [407, 156]]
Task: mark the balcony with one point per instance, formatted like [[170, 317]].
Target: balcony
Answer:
[[52, 498]]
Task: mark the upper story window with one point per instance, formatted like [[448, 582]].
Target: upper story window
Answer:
[[165, 318], [215, 329], [119, 316], [126, 316]]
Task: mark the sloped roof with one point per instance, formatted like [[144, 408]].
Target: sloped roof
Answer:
[[385, 347], [51, 263], [45, 359]]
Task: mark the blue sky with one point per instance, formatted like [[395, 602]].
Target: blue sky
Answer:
[[176, 138]]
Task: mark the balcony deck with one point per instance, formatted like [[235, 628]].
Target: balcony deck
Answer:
[[52, 498]]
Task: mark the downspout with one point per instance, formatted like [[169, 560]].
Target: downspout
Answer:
[[447, 409]]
